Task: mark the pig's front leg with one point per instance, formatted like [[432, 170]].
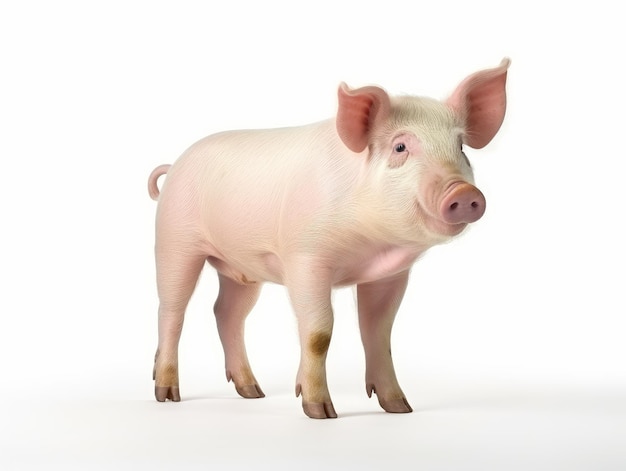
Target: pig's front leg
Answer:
[[378, 303], [310, 293], [233, 304]]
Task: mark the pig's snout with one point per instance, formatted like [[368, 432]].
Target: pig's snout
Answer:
[[462, 203]]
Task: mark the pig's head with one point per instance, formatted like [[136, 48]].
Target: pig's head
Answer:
[[415, 150]]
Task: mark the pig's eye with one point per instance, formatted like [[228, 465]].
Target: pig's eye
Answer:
[[399, 148]]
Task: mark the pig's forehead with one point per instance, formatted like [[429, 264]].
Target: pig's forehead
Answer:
[[422, 112]]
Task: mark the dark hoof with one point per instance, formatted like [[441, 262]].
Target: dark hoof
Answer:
[[252, 391], [318, 410], [162, 393], [395, 406]]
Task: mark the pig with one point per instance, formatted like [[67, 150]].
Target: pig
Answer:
[[352, 200]]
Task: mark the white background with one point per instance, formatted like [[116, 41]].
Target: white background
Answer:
[[510, 342]]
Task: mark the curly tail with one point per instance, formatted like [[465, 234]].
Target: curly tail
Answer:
[[153, 189]]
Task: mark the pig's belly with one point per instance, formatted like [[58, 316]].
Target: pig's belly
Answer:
[[348, 270], [257, 269]]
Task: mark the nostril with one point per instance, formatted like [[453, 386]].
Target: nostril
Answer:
[[463, 203]]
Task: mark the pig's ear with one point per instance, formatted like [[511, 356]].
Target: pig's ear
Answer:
[[359, 112], [480, 101]]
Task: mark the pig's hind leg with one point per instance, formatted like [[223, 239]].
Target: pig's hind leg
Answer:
[[177, 275], [233, 304], [378, 303]]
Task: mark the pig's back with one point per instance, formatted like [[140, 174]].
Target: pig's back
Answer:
[[252, 192]]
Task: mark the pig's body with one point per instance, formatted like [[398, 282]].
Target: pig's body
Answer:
[[352, 200], [250, 223]]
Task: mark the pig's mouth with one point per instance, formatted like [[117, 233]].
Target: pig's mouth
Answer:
[[444, 228], [436, 225]]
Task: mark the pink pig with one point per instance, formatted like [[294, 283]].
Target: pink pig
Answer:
[[351, 200]]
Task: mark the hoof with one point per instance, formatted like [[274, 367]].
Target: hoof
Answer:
[[318, 410], [252, 391], [395, 406], [162, 393]]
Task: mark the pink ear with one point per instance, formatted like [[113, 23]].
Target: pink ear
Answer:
[[359, 112], [481, 102]]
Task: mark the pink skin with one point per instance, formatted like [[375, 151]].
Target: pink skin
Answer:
[[378, 303], [462, 203], [353, 200]]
